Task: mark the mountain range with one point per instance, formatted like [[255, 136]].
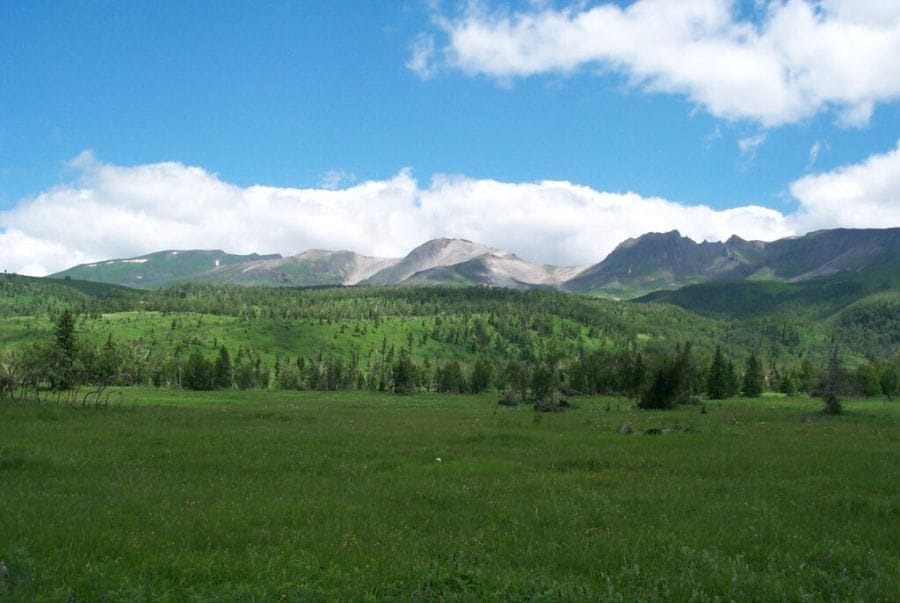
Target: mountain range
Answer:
[[651, 262]]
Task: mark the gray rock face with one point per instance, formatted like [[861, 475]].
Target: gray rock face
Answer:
[[667, 260]]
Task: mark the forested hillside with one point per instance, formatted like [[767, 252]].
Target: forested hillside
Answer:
[[448, 339]]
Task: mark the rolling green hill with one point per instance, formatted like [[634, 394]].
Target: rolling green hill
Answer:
[[783, 321]]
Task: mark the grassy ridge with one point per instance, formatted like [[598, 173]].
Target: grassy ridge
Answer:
[[262, 495]]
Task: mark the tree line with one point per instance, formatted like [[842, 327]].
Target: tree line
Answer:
[[656, 376]]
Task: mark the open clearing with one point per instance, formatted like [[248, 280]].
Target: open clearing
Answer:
[[228, 495]]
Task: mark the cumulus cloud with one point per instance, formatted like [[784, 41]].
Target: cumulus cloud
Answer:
[[864, 195], [112, 211], [794, 59]]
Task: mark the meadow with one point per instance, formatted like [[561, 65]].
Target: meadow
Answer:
[[262, 495]]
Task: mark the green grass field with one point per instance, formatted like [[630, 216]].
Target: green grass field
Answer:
[[309, 496]]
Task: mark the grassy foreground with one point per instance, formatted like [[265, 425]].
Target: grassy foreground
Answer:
[[239, 496]]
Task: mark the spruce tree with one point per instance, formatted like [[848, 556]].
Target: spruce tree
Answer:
[[753, 378], [832, 385], [65, 334], [63, 353], [732, 379], [638, 375], [717, 381], [223, 370], [404, 374]]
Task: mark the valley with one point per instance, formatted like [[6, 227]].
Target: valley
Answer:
[[466, 429]]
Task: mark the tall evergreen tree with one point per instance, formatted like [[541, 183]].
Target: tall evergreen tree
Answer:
[[65, 334], [888, 380], [832, 384], [637, 376], [663, 390], [732, 379], [404, 373], [753, 377], [717, 380], [223, 370], [62, 356], [482, 373], [198, 372]]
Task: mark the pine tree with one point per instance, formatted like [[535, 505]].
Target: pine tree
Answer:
[[404, 374], [663, 390], [65, 334], [64, 352], [832, 384], [223, 370], [753, 378], [198, 372], [717, 381], [637, 376], [482, 373], [888, 380]]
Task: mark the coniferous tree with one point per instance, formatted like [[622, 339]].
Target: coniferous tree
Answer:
[[65, 334], [637, 376], [481, 376], [404, 373], [62, 356], [731, 374], [753, 378], [663, 390], [786, 384], [717, 381], [198, 372], [450, 378], [223, 370], [888, 380], [832, 384]]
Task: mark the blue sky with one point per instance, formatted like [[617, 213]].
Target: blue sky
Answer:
[[463, 109]]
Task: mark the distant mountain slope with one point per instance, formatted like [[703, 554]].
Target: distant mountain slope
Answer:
[[862, 308], [657, 261], [310, 268], [496, 270], [157, 269], [826, 252], [665, 260], [814, 297], [432, 254]]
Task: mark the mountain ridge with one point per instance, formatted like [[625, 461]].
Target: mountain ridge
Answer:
[[637, 266]]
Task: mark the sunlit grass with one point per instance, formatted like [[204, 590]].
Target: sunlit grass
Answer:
[[230, 495]]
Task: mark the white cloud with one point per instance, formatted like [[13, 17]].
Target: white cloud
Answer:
[[421, 56], [864, 195], [801, 58], [114, 212], [814, 151], [334, 179], [750, 144]]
